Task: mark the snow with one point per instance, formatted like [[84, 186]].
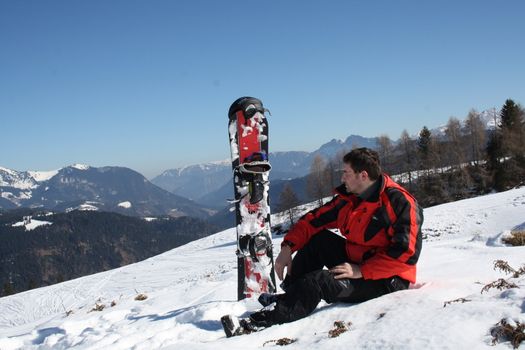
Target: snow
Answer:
[[80, 166], [41, 176], [32, 225], [234, 148], [15, 179], [202, 166], [9, 171], [125, 205], [87, 206], [189, 288]]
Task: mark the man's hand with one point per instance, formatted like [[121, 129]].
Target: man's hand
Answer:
[[284, 259], [346, 270]]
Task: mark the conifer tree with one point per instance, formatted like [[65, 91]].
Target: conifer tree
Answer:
[[506, 148], [424, 148]]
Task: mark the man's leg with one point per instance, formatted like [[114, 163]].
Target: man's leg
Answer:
[[306, 292], [324, 249]]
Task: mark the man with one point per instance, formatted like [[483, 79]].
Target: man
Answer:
[[376, 252]]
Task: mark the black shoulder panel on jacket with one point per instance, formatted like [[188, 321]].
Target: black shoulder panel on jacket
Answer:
[[330, 215]]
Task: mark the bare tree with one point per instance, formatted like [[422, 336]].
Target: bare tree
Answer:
[[333, 169], [385, 151], [289, 202], [317, 186], [408, 151], [476, 136], [454, 153]]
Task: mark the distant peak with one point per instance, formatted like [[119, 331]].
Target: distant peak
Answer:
[[80, 166], [41, 176], [9, 171]]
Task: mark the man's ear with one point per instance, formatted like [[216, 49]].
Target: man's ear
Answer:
[[364, 175]]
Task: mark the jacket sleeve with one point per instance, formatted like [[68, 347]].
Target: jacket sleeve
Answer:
[[324, 217], [405, 238]]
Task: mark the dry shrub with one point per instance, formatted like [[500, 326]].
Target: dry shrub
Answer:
[[98, 307], [506, 268], [505, 331], [141, 297], [339, 328], [516, 238], [459, 300], [281, 342], [500, 284]]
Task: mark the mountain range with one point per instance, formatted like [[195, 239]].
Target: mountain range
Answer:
[[115, 189], [198, 190], [210, 183]]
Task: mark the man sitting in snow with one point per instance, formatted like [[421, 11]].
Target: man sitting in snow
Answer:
[[380, 223]]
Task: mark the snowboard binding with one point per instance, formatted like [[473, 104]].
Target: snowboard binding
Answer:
[[255, 163], [255, 245], [252, 170]]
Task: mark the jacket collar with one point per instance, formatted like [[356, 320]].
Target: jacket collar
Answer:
[[371, 194]]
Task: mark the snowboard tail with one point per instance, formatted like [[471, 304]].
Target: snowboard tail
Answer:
[[248, 130]]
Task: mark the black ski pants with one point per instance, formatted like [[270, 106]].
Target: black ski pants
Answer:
[[309, 283]]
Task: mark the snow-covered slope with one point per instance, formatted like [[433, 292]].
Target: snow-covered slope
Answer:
[[190, 287]]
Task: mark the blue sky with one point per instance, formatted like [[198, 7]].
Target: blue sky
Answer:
[[147, 84]]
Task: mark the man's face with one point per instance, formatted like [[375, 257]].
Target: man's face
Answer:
[[354, 182]]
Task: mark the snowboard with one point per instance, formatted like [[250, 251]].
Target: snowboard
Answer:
[[248, 131]]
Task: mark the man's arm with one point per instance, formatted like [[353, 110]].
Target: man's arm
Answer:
[[324, 217], [314, 221]]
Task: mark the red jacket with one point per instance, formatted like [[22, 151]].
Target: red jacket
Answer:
[[382, 228]]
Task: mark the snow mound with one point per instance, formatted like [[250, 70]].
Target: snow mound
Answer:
[[87, 206], [125, 205], [32, 224]]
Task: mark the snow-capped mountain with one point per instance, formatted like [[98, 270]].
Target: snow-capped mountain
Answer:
[[81, 186], [490, 119], [184, 292], [194, 180], [198, 181], [15, 187], [205, 182], [19, 180]]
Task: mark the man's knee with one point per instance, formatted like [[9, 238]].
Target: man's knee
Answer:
[[330, 289]]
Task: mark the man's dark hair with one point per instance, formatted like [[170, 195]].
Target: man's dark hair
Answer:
[[364, 159]]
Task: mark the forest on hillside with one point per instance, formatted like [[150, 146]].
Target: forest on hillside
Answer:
[[80, 243], [467, 160]]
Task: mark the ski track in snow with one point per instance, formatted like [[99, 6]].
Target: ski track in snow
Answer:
[[189, 288]]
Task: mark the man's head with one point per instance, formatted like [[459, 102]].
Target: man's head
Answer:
[[361, 168]]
